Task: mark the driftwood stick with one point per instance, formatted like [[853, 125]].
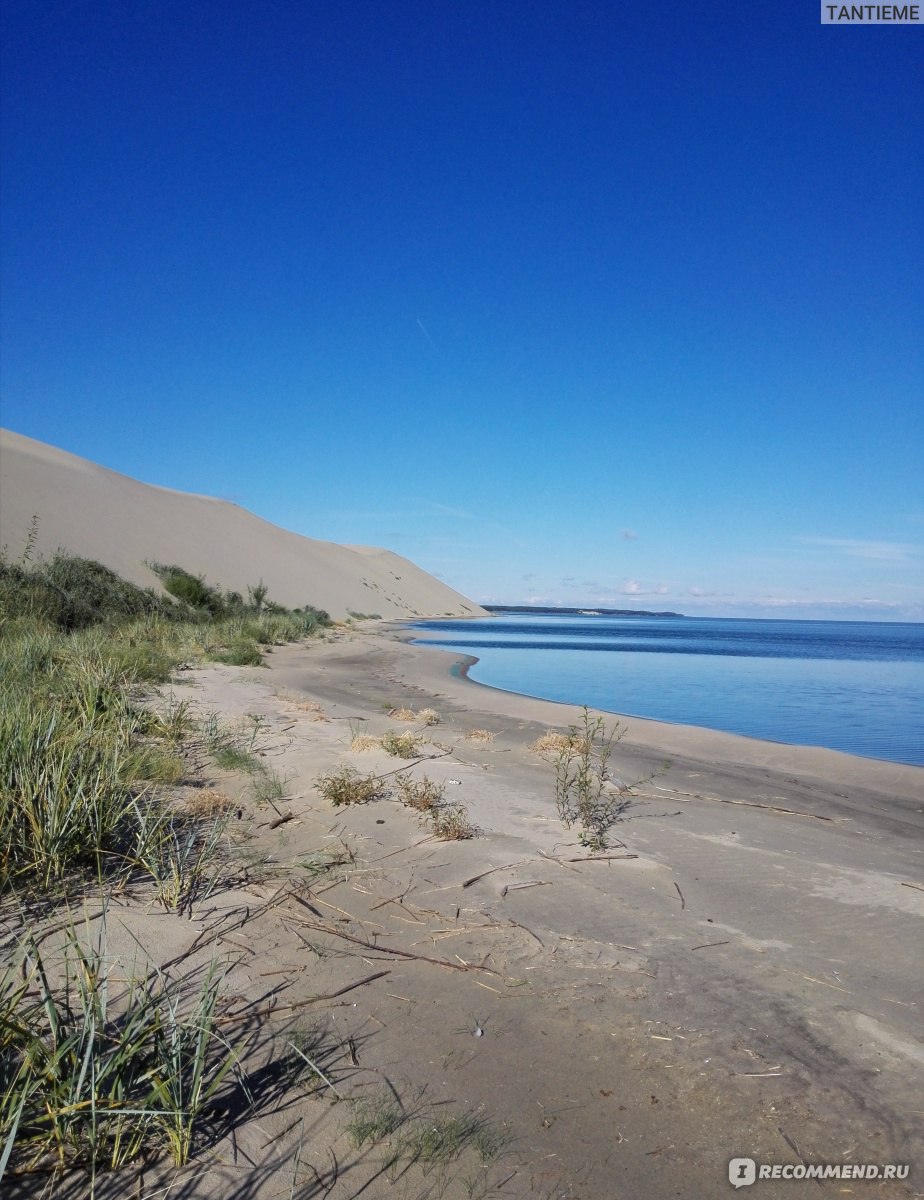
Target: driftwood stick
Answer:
[[357, 941], [350, 986], [598, 858], [475, 878]]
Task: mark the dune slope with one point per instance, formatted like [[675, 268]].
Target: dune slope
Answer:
[[97, 513]]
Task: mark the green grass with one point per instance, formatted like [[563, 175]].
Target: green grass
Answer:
[[347, 786], [84, 763], [96, 1067]]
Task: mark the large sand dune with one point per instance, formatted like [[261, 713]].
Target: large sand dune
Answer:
[[97, 513]]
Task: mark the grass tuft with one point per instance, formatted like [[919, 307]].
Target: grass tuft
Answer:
[[402, 745], [97, 1068], [361, 742], [347, 786], [424, 795], [451, 823]]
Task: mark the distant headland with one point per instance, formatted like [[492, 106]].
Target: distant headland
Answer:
[[578, 612]]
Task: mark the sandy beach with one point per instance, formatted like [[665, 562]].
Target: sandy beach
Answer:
[[738, 975]]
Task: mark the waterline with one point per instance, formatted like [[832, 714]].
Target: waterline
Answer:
[[851, 686]]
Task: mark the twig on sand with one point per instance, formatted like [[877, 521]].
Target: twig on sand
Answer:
[[683, 902], [917, 887], [474, 879], [706, 945], [527, 929], [790, 812], [790, 1142], [351, 986], [597, 858], [379, 949]]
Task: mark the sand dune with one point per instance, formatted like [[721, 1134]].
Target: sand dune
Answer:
[[100, 514]]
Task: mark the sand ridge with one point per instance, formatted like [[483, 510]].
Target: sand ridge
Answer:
[[97, 513]]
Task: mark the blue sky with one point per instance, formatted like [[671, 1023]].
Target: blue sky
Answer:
[[583, 304]]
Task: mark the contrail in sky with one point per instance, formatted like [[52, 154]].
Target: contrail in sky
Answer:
[[424, 332]]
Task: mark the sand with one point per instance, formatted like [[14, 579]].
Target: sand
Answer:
[[731, 979], [91, 511]]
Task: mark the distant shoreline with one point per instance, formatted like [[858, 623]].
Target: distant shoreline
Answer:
[[551, 609]]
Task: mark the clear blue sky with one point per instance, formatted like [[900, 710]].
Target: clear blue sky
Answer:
[[580, 303]]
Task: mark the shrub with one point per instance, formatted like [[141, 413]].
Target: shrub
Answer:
[[451, 823], [73, 593], [190, 589], [347, 786], [426, 716], [585, 792], [401, 745], [424, 795]]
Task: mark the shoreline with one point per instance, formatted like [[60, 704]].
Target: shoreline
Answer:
[[655, 738], [470, 660]]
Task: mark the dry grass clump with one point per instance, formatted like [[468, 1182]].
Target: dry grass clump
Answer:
[[425, 716], [451, 823], [347, 786], [424, 795], [479, 735], [401, 745], [208, 802], [550, 744], [311, 709], [364, 741]]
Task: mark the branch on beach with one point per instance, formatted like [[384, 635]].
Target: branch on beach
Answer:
[[321, 927], [790, 812]]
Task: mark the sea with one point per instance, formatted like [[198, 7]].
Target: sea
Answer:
[[856, 686]]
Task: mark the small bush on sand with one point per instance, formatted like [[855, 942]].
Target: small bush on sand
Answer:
[[585, 791], [424, 795], [451, 823], [479, 735], [347, 786], [401, 745]]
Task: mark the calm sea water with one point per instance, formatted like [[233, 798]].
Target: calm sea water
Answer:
[[854, 686]]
